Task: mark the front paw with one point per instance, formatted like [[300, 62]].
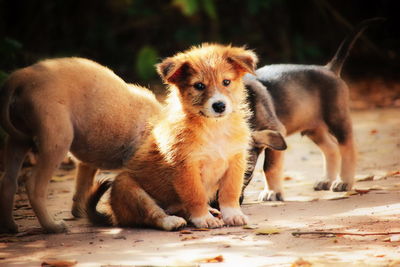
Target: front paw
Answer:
[[340, 186], [234, 216], [55, 228], [322, 185], [207, 221], [270, 195]]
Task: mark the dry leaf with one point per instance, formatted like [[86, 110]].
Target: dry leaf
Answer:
[[287, 178], [336, 198], [58, 263], [201, 229], [366, 178], [373, 131], [301, 263], [362, 191], [185, 232], [216, 259], [267, 231], [351, 193], [189, 238], [247, 226]]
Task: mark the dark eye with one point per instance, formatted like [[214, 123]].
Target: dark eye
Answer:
[[226, 82], [199, 86]]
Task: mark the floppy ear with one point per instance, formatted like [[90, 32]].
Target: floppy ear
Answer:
[[173, 71], [269, 138], [243, 60]]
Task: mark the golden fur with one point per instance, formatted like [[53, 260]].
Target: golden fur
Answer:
[[190, 154], [65, 104]]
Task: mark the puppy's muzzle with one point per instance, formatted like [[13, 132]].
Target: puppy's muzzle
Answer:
[[219, 107]]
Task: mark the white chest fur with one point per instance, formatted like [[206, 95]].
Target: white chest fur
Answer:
[[219, 144]]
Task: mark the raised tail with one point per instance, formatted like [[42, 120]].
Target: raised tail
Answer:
[[339, 58], [96, 217], [6, 93]]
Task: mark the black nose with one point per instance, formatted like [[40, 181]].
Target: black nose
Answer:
[[219, 107]]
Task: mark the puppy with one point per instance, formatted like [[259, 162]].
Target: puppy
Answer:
[[66, 104], [312, 100], [197, 146]]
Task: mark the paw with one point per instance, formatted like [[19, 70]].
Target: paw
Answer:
[[207, 221], [56, 228], [322, 185], [270, 195], [8, 228], [340, 186], [78, 211], [172, 223], [234, 216]]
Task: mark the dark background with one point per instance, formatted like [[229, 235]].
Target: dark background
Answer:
[[130, 36]]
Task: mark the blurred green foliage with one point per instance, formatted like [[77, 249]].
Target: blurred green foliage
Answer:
[[130, 36]]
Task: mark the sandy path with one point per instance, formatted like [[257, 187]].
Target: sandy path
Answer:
[[378, 138]]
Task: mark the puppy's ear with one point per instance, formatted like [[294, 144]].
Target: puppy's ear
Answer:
[[270, 139], [242, 60], [173, 71]]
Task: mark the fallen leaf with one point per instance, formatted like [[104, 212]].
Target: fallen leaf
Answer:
[[373, 131], [58, 263], [336, 197], [267, 231], [248, 226], [189, 238], [185, 232], [362, 191], [351, 193], [380, 256], [393, 173], [287, 178], [301, 263], [366, 178], [216, 259]]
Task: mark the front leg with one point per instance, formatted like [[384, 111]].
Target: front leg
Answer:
[[230, 189], [190, 189]]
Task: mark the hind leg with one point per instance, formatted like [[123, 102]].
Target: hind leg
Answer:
[[53, 146], [84, 182], [132, 206], [14, 155], [273, 170], [348, 169], [329, 147]]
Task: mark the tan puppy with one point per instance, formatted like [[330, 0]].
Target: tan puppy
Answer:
[[67, 104], [198, 146]]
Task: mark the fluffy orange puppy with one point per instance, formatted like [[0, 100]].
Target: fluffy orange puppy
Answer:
[[198, 146]]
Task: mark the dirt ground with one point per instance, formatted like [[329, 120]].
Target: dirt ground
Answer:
[[268, 241]]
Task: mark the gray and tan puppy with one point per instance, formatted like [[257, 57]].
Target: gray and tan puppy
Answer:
[[313, 100], [61, 105]]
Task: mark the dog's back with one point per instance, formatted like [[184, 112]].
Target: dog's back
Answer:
[[96, 103], [303, 94]]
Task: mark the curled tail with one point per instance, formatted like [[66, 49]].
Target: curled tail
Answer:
[[96, 217], [6, 93], [339, 58]]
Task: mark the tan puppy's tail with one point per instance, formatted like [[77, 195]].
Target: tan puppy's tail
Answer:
[[96, 217], [341, 54], [6, 93]]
